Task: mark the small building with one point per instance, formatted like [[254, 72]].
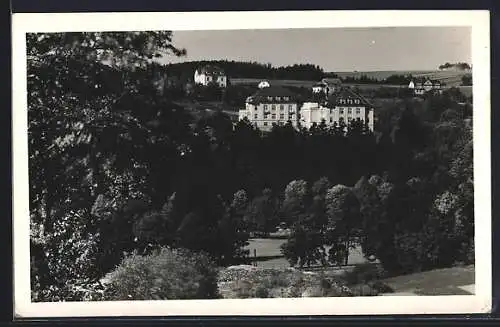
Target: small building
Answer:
[[327, 86], [343, 106], [269, 106], [263, 84], [423, 86], [210, 74]]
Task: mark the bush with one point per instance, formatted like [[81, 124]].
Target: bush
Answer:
[[364, 273], [364, 290], [164, 274]]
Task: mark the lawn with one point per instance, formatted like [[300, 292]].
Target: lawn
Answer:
[[446, 281], [268, 251]]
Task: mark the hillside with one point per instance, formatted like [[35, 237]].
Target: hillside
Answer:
[[450, 78]]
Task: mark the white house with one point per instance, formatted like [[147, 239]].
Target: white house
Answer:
[[263, 84], [343, 106], [210, 75], [422, 86], [327, 86], [269, 106]]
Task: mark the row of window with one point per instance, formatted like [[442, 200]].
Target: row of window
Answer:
[[273, 116], [349, 110], [282, 107], [341, 119], [280, 123], [349, 101], [278, 98]]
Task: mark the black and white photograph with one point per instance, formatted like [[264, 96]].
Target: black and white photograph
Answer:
[[273, 164]]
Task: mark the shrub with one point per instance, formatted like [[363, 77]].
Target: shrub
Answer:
[[381, 287], [164, 274], [364, 290], [261, 292], [364, 273]]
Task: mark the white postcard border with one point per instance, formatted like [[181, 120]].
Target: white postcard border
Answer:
[[478, 20]]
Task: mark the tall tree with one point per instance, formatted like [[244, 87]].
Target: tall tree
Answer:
[[79, 131], [344, 220]]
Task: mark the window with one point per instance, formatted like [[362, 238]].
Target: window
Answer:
[[273, 107], [278, 98], [331, 120], [290, 108], [270, 98], [282, 116], [255, 116], [282, 107], [286, 98], [265, 107], [265, 123], [357, 101], [341, 119], [349, 119], [341, 111], [358, 110], [273, 116], [349, 111]]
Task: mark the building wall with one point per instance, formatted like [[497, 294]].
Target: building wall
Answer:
[[277, 113], [311, 114], [205, 79]]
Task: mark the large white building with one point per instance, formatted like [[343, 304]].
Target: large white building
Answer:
[[342, 106], [269, 106], [210, 75]]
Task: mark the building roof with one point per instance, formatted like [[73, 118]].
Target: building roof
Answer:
[[272, 91], [331, 80], [346, 93], [423, 80], [321, 84], [210, 70]]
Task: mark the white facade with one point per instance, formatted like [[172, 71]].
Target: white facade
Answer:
[[206, 78], [327, 86], [319, 88], [311, 113], [264, 115], [263, 84], [420, 88]]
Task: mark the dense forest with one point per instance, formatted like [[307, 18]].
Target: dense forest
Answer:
[[118, 168], [239, 69]]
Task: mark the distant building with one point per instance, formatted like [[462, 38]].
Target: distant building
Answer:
[[343, 106], [422, 86], [271, 105], [210, 75], [327, 86], [263, 84]]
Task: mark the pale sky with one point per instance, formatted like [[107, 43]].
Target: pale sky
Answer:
[[333, 49]]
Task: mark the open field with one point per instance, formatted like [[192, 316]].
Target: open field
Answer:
[[453, 281], [269, 251], [277, 82], [450, 78]]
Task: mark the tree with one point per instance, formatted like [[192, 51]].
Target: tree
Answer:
[[295, 200], [344, 220], [371, 215], [467, 80], [262, 213], [80, 131]]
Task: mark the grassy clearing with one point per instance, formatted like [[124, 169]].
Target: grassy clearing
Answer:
[[450, 78], [435, 282], [268, 250]]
